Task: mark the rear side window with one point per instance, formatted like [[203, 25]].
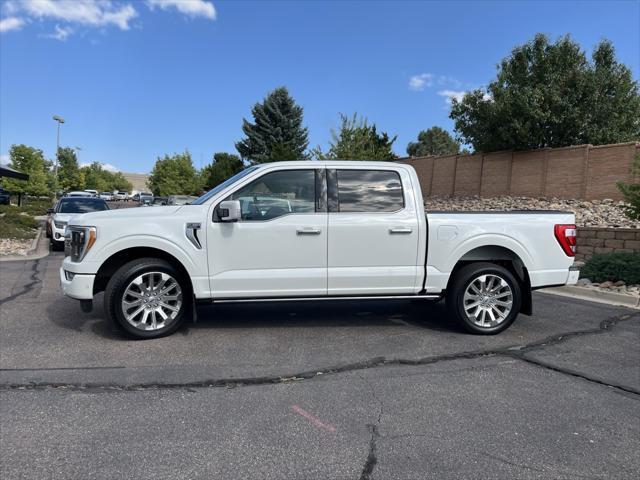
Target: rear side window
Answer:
[[369, 191]]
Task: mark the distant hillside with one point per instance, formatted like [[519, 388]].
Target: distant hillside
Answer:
[[138, 180]]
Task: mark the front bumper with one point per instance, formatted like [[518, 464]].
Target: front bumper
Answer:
[[77, 285]]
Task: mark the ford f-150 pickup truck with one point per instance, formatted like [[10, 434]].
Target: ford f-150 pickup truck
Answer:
[[314, 230]]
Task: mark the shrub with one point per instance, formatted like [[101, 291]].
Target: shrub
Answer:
[[631, 191], [15, 225], [613, 267]]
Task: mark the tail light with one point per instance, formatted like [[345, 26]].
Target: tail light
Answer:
[[566, 236]]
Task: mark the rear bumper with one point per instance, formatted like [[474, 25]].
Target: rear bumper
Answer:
[[76, 285]]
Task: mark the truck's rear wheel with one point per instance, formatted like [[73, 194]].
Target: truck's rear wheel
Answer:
[[147, 298], [484, 298]]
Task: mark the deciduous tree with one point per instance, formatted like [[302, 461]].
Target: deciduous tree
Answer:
[[31, 161], [174, 175], [550, 95], [434, 141], [224, 166], [358, 140]]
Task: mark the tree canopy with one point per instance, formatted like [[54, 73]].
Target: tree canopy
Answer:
[[174, 175], [434, 141], [277, 132], [224, 166], [357, 140], [550, 95], [31, 161], [69, 176], [95, 177]]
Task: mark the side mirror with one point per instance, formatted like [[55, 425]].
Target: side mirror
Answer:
[[49, 211], [229, 211]]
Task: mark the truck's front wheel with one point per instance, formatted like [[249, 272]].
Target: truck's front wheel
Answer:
[[484, 298], [147, 298]]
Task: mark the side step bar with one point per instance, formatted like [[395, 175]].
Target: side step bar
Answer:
[[426, 296]]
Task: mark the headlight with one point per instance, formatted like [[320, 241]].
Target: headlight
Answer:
[[60, 224], [78, 241]]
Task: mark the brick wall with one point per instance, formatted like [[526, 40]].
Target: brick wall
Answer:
[[606, 240], [584, 172]]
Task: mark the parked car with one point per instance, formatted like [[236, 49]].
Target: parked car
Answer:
[[159, 201], [121, 196], [106, 196], [5, 198], [180, 199], [145, 198], [79, 194], [315, 230], [94, 193], [65, 209]]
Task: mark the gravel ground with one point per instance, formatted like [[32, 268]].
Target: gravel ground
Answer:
[[11, 246], [594, 213]]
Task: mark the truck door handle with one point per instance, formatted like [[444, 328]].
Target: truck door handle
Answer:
[[395, 230], [308, 231]]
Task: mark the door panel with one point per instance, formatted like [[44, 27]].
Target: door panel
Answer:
[[279, 247], [372, 251], [269, 259]]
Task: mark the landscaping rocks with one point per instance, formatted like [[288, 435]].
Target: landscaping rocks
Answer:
[[594, 213], [617, 287], [10, 246]]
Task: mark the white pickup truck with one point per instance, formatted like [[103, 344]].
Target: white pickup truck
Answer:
[[314, 231]]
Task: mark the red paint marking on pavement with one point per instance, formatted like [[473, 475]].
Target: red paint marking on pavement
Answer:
[[313, 419]]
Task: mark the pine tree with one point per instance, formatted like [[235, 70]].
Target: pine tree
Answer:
[[277, 133]]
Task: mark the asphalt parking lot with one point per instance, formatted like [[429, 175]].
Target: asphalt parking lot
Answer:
[[384, 390]]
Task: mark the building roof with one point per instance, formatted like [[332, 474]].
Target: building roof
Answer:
[[6, 171]]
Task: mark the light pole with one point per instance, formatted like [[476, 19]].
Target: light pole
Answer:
[[60, 121]]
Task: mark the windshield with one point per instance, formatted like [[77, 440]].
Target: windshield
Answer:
[[218, 188], [81, 205]]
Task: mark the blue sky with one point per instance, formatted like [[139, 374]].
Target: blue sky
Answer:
[[136, 79]]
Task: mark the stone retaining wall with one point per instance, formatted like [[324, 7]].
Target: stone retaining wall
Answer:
[[606, 240]]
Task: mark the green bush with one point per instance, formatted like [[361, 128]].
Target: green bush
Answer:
[[15, 225], [631, 191], [613, 267]]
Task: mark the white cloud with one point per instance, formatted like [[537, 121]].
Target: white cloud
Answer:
[[4, 159], [192, 8], [11, 23], [420, 82], [61, 33], [106, 166], [451, 94], [95, 13]]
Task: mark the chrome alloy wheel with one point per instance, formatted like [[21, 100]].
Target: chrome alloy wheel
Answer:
[[488, 300], [152, 300]]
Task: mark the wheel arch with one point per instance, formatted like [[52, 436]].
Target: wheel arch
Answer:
[[119, 258], [506, 258]]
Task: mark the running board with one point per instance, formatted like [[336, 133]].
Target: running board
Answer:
[[427, 296]]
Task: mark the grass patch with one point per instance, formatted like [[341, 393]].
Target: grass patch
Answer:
[[15, 225], [613, 267]]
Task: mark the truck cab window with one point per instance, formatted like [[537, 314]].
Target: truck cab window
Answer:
[[369, 191], [276, 194]]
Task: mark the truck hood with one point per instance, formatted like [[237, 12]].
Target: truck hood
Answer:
[[124, 214]]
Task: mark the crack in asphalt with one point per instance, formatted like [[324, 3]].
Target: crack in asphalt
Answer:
[[372, 458], [34, 280], [516, 351]]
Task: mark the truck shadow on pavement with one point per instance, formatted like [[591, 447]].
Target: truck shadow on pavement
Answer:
[[331, 314]]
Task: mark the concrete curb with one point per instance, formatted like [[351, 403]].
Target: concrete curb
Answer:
[[592, 295], [39, 249]]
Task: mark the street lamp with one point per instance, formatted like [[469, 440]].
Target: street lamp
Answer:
[[60, 121]]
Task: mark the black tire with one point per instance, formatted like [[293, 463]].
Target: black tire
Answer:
[[461, 282], [117, 285], [56, 246]]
